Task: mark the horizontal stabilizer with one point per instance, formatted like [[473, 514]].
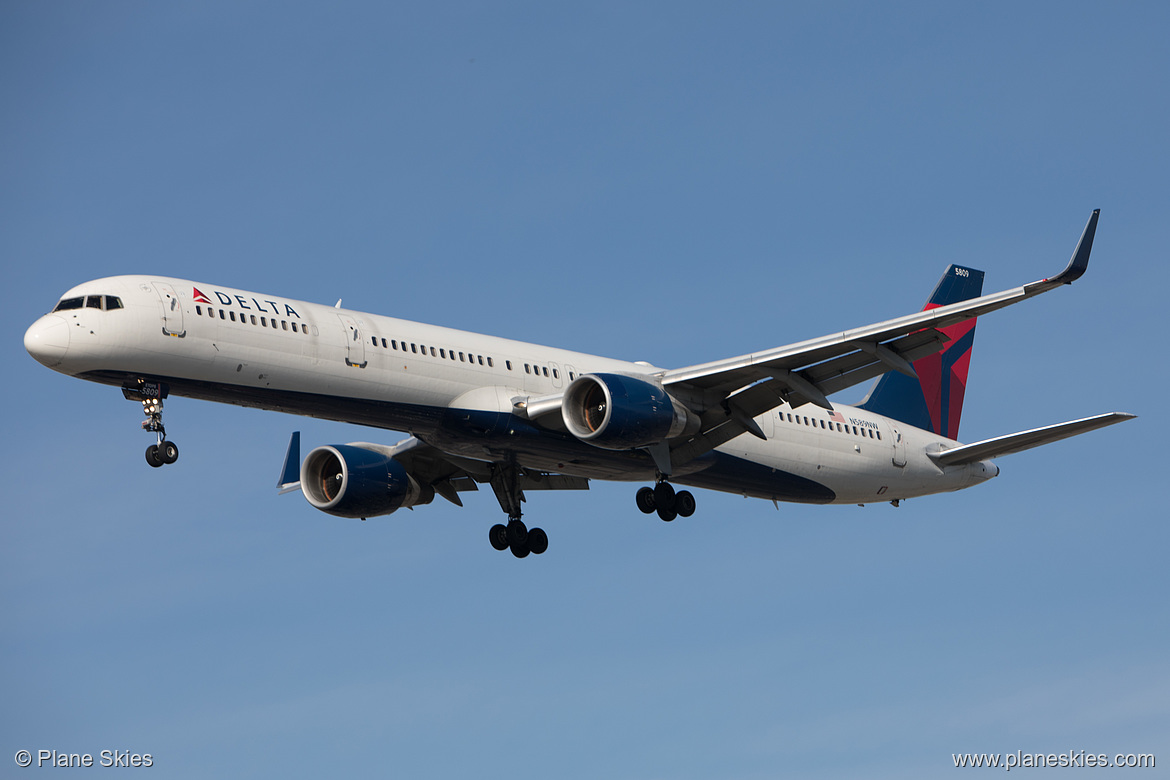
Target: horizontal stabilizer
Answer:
[[1026, 440]]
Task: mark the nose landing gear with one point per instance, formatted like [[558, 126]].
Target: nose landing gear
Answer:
[[151, 395]]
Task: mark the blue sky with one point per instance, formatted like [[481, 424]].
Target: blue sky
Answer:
[[667, 182]]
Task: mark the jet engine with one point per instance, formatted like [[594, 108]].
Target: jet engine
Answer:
[[350, 481], [620, 412]]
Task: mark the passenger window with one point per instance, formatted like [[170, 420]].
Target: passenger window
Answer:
[[232, 314], [393, 344], [442, 353], [221, 315], [480, 359], [113, 302], [508, 363], [555, 374], [527, 369], [374, 340], [544, 369], [294, 327], [461, 360], [264, 322], [432, 351], [490, 363], [284, 324], [879, 435], [414, 348], [199, 310], [252, 317]]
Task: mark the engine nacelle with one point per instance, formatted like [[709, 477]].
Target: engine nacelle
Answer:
[[350, 481], [620, 412]]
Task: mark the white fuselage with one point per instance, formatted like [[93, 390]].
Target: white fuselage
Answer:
[[455, 390]]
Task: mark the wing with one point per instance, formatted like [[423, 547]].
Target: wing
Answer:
[[449, 475], [727, 394]]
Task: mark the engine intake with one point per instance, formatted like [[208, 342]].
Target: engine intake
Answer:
[[620, 412], [349, 481]]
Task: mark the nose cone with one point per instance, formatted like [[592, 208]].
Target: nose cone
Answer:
[[48, 340]]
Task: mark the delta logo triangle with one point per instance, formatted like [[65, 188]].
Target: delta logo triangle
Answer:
[[199, 297]]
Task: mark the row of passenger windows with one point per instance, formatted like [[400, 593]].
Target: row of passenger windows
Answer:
[[451, 354], [106, 302], [840, 427], [264, 322], [439, 352]]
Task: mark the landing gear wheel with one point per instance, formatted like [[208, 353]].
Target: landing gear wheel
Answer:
[[168, 452], [153, 457], [498, 535], [645, 499], [517, 535], [663, 494], [684, 502], [520, 550], [537, 541], [664, 501]]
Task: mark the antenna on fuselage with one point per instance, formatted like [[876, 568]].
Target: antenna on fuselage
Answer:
[[338, 304]]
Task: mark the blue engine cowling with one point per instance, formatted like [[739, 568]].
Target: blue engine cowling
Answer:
[[350, 481], [620, 412]]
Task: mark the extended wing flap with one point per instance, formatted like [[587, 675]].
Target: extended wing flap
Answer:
[[551, 481], [1025, 440]]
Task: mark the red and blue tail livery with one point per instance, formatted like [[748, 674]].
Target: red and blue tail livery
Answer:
[[934, 402]]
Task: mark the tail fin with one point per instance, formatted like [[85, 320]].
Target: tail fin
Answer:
[[934, 401]]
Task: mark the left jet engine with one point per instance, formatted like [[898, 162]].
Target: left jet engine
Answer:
[[350, 481], [623, 412]]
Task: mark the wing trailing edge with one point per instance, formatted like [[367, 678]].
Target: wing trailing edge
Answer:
[[1025, 440]]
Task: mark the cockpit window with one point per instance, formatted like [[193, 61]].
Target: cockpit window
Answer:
[[70, 303], [106, 302]]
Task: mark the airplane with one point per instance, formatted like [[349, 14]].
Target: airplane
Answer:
[[519, 417]]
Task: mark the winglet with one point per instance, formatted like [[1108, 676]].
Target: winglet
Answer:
[[290, 475], [1080, 259]]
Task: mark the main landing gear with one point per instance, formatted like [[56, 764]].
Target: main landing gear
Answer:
[[514, 536], [151, 394], [662, 499]]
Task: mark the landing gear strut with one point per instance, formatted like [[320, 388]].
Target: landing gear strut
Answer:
[[662, 499], [514, 536], [151, 394]]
